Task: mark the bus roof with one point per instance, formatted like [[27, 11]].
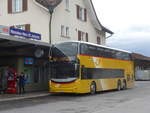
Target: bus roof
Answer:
[[100, 46]]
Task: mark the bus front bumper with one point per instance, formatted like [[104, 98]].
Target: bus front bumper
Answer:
[[63, 90]]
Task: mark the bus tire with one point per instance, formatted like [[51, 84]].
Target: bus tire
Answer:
[[119, 85], [93, 88], [124, 85]]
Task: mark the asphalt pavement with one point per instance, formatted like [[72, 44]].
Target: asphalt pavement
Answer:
[[134, 100]]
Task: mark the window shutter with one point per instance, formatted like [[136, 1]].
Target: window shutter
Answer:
[[98, 40], [12, 26], [27, 27], [24, 5], [78, 8], [9, 6], [85, 14], [87, 37], [79, 35]]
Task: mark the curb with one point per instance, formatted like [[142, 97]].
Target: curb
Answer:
[[24, 97]]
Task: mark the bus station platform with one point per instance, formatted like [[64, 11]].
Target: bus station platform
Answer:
[[28, 95]]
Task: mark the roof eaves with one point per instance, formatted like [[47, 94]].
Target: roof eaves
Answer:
[[107, 30], [103, 28], [140, 57]]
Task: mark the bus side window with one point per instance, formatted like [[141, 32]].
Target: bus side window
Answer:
[[127, 56], [84, 49], [100, 52], [105, 53], [108, 53], [92, 50], [113, 53], [83, 72], [119, 55]]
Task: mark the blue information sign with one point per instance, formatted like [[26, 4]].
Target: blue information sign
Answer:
[[23, 33], [28, 60]]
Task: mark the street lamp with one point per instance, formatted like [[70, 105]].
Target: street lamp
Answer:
[[50, 5]]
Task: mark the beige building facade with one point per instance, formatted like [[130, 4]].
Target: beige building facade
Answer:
[[66, 25]]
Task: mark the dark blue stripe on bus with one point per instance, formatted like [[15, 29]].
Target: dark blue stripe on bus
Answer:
[[101, 73]]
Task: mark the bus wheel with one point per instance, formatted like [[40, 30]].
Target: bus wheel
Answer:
[[119, 85], [93, 88], [124, 85]]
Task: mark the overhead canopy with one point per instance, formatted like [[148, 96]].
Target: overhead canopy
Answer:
[[12, 41], [18, 46], [141, 61], [137, 56]]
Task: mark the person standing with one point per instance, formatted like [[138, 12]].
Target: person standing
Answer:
[[21, 83]]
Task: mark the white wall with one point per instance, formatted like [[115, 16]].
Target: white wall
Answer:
[[37, 17], [39, 20]]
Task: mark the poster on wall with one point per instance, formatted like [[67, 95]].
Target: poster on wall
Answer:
[[4, 29], [28, 60]]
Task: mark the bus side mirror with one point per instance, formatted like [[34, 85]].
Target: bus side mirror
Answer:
[[77, 61], [50, 57], [50, 53], [76, 66]]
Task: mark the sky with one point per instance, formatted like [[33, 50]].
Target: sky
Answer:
[[130, 22]]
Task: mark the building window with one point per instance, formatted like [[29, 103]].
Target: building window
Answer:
[[20, 27], [82, 36], [81, 13], [16, 6], [65, 31], [25, 27], [98, 40], [67, 5], [62, 30]]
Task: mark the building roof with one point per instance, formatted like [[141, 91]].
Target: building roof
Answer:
[[92, 14], [138, 56], [94, 18]]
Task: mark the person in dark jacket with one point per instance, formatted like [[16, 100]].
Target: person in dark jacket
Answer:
[[21, 83]]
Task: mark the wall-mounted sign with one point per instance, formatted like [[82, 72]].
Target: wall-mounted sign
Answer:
[[4, 29], [23, 33]]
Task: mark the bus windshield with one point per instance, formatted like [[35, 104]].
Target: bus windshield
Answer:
[[64, 65], [66, 50]]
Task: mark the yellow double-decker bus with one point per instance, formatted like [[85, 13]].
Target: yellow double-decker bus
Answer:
[[81, 67]]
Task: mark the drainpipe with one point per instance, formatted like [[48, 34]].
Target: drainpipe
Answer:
[[51, 10]]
